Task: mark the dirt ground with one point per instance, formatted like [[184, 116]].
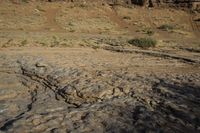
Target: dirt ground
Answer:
[[68, 67]]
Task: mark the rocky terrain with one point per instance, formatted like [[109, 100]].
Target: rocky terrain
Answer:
[[70, 67], [110, 93]]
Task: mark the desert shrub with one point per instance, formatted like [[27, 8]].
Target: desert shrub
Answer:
[[24, 42], [127, 17], [167, 27], [55, 42], [143, 42], [82, 5], [71, 30], [148, 32], [25, 1], [70, 24]]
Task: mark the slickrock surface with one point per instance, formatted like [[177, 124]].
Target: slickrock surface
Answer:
[[86, 92]]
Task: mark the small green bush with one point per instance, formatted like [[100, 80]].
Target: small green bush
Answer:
[[143, 42], [167, 27]]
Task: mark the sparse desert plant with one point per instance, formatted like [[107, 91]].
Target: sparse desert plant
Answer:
[[64, 44], [82, 5], [24, 42], [167, 27], [127, 17], [143, 42], [95, 46], [9, 41], [55, 41], [71, 30], [25, 1], [148, 32], [43, 44], [70, 24]]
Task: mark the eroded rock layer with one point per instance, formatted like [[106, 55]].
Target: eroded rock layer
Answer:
[[86, 95]]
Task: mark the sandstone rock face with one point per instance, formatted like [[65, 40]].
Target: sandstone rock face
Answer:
[[39, 94]]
